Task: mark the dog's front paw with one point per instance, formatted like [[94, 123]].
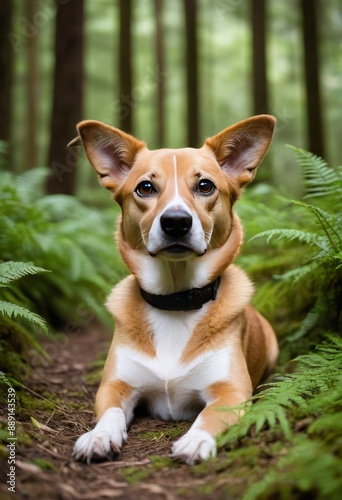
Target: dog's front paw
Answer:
[[195, 446], [104, 442]]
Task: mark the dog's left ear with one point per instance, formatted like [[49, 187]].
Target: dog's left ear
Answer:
[[240, 148]]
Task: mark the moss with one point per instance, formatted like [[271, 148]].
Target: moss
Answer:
[[166, 435], [160, 462], [134, 475], [3, 451], [28, 404], [153, 436], [206, 489], [44, 464], [182, 491]]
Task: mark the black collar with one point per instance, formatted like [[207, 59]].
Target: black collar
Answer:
[[183, 301]]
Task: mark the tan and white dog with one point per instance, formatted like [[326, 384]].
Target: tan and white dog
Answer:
[[186, 339]]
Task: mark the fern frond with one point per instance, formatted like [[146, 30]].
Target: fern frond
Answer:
[[288, 234], [329, 223], [299, 273], [309, 322], [302, 393], [319, 178], [310, 469], [10, 271], [30, 183], [13, 310]]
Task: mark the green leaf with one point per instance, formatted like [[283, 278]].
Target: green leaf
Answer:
[[13, 310], [10, 271]]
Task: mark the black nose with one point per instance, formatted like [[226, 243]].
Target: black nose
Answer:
[[176, 223]]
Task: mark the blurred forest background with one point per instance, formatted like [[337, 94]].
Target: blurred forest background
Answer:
[[170, 72], [173, 72]]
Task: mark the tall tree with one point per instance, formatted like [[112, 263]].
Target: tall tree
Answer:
[[160, 65], [312, 83], [67, 96], [125, 67], [32, 89], [259, 73], [6, 52], [192, 74], [259, 67]]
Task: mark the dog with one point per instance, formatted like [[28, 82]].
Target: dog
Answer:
[[186, 339]]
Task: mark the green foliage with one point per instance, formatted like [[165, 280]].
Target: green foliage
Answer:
[[314, 389], [307, 289], [303, 269], [309, 398], [49, 233], [59, 234], [16, 334], [134, 475], [11, 271]]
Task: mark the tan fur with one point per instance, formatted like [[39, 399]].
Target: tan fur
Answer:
[[111, 393]]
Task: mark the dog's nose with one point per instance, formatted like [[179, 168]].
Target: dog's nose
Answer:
[[176, 223]]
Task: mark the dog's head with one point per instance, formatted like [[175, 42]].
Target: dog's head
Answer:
[[177, 203]]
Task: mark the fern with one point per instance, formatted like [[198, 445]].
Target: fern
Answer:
[[55, 233], [9, 309], [10, 271], [304, 256], [314, 393], [309, 470], [301, 393], [288, 234], [319, 178], [60, 234], [312, 251]]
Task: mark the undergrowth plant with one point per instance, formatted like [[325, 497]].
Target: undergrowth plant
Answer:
[[17, 323], [57, 233], [300, 273], [303, 406]]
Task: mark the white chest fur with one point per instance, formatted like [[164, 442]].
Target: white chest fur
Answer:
[[171, 388]]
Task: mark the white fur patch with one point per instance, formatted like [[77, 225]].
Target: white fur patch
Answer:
[[171, 388], [196, 445], [105, 440]]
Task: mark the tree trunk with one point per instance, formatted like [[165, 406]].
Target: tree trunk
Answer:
[[32, 90], [6, 52], [67, 96], [259, 75], [190, 7], [125, 67], [312, 84], [160, 66], [259, 67]]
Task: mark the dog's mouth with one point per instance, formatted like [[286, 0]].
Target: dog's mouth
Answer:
[[176, 251]]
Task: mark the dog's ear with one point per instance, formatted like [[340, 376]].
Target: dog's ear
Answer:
[[240, 148], [109, 150]]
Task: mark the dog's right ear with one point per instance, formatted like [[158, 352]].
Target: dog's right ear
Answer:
[[240, 148], [109, 150]]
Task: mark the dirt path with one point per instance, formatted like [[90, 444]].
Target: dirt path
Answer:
[[44, 467]]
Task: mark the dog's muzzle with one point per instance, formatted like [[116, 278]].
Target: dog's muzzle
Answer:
[[176, 235]]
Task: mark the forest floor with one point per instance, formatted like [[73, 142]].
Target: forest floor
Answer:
[[44, 466]]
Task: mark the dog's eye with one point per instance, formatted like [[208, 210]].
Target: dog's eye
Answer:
[[145, 188], [206, 187]]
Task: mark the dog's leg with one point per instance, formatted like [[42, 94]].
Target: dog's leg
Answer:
[[114, 410], [199, 442]]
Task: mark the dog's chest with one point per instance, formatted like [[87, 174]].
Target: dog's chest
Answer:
[[171, 387]]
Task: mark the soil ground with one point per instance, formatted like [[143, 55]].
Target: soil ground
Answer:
[[44, 465]]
